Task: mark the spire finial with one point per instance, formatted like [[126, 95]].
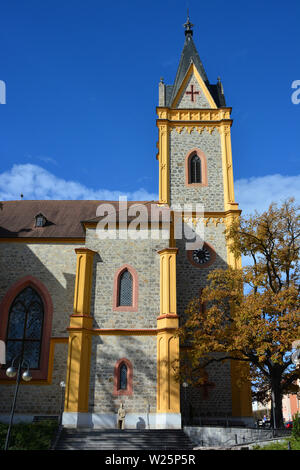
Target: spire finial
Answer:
[[188, 25]]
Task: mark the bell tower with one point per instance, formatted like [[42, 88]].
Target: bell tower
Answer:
[[195, 168], [194, 146]]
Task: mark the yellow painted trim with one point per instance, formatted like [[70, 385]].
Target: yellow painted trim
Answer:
[[193, 70], [225, 133], [164, 164], [172, 240], [168, 304], [80, 342], [83, 281], [168, 389], [192, 114]]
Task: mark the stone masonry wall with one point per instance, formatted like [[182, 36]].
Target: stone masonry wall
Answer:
[[112, 255], [55, 266], [211, 196], [139, 350]]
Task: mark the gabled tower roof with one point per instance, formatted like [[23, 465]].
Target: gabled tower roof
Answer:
[[190, 54]]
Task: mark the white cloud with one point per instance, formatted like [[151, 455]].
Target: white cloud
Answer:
[[34, 182], [37, 183], [258, 193]]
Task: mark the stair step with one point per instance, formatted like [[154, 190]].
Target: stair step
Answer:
[[127, 439]]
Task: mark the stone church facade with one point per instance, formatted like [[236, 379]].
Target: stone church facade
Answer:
[[88, 304]]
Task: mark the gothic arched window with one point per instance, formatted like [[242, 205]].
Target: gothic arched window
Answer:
[[125, 289], [26, 312], [195, 169], [123, 377], [25, 327]]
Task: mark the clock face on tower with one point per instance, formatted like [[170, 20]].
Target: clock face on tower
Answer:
[[202, 257]]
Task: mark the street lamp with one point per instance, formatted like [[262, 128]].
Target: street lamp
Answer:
[[63, 388], [26, 376], [185, 386]]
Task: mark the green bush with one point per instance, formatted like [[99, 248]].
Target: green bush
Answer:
[[291, 442], [29, 436], [296, 426]]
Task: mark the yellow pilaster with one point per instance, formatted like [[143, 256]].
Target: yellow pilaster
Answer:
[[79, 352], [164, 170], [225, 133], [232, 261], [168, 389]]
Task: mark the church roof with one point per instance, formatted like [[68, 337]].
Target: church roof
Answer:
[[63, 218], [190, 54]]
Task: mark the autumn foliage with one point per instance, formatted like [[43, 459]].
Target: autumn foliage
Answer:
[[251, 314]]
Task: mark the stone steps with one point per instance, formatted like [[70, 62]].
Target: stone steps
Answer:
[[128, 439]]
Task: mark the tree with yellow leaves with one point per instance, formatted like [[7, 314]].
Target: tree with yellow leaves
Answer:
[[251, 314]]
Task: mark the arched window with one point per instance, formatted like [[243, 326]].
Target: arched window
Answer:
[[26, 312], [123, 377], [195, 169], [125, 289], [125, 293], [25, 327]]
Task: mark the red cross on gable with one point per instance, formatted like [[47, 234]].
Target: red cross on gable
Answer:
[[192, 93]]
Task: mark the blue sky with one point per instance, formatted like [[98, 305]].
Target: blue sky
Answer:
[[82, 87]]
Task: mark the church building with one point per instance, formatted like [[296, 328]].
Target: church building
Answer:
[[92, 292]]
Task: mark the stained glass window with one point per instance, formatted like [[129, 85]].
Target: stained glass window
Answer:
[[125, 289], [25, 326], [123, 377], [195, 169]]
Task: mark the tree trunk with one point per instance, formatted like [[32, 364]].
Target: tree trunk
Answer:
[[277, 416]]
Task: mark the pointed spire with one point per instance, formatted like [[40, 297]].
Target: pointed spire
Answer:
[[188, 25], [189, 54]]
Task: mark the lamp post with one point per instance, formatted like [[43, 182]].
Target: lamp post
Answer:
[[63, 388], [185, 386], [26, 376]]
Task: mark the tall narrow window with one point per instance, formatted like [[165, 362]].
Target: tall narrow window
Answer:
[[123, 377], [25, 327], [125, 289], [195, 169]]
